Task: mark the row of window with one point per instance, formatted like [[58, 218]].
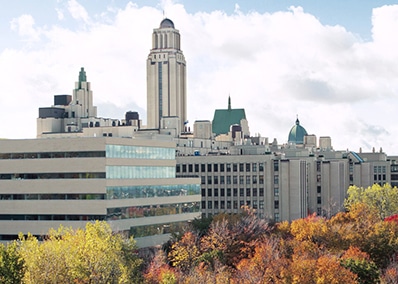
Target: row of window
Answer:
[[232, 204], [130, 172], [112, 151], [140, 152], [19, 176], [214, 168], [232, 192], [158, 229], [52, 155], [49, 217], [151, 211], [46, 196], [112, 172], [254, 179], [148, 191]]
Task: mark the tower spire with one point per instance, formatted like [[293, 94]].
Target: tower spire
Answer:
[[229, 102]]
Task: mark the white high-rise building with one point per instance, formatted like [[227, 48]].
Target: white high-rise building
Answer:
[[166, 79]]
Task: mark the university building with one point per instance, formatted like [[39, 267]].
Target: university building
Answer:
[[151, 180]]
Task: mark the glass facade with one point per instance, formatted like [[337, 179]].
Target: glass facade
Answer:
[[140, 152], [152, 210], [129, 172], [148, 191]]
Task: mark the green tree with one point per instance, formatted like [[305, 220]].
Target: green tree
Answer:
[[384, 198], [11, 264]]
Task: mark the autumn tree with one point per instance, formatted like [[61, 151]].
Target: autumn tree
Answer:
[[11, 264], [384, 199], [185, 253], [233, 238], [360, 263], [92, 255]]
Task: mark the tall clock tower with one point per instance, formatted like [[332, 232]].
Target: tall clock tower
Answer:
[[166, 79]]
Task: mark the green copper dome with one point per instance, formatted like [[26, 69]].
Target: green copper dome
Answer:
[[297, 133]]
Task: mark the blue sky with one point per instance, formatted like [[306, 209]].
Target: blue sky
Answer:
[[332, 63]]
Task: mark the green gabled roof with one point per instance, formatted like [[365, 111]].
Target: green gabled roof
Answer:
[[224, 118]]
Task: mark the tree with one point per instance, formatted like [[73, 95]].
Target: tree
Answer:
[[234, 236], [384, 198], [359, 263], [184, 253], [11, 264], [92, 255]]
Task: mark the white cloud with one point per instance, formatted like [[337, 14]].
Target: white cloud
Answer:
[[273, 65], [24, 25], [77, 11]]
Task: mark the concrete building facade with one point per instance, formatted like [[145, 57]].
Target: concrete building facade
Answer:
[[128, 182], [166, 79]]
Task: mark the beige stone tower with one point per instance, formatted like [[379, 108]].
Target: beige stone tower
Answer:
[[166, 78]]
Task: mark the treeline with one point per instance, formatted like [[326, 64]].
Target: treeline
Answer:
[[359, 245]]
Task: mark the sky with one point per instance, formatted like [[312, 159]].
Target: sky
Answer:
[[332, 64]]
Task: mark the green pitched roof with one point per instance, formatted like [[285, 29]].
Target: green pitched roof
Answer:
[[224, 118]]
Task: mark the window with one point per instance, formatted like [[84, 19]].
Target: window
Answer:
[[248, 192], [241, 167], [228, 192], [203, 168], [235, 180], [190, 168], [196, 168], [318, 166], [276, 191], [209, 168], [254, 167], [228, 179], [222, 167], [178, 168], [222, 193], [319, 200], [222, 179], [216, 192], [235, 192], [209, 205], [215, 167], [247, 167], [261, 179], [209, 181], [235, 167], [215, 179], [247, 179], [203, 180], [241, 192], [184, 168], [276, 166], [203, 192], [261, 192], [276, 179], [241, 179], [228, 167], [209, 192], [254, 179], [216, 204], [261, 167], [276, 204], [318, 189]]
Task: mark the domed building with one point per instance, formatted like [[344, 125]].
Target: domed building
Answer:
[[297, 133]]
